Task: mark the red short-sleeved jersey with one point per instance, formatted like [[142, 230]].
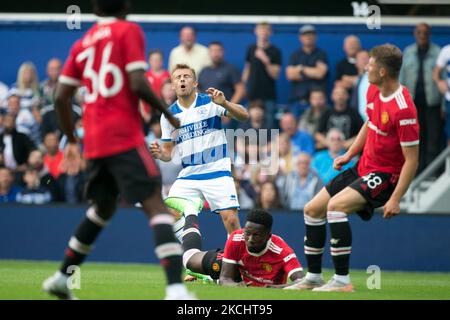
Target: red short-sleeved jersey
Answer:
[[100, 61], [393, 124], [272, 266]]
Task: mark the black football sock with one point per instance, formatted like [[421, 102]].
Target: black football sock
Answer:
[[80, 244], [167, 248], [341, 241], [192, 238], [315, 235]]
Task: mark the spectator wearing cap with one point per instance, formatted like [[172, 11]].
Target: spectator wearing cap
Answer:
[[346, 71], [189, 51], [261, 70], [307, 69]]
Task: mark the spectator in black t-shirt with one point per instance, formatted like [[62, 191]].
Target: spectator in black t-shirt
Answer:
[[262, 69], [222, 76], [308, 68], [341, 117], [346, 71]]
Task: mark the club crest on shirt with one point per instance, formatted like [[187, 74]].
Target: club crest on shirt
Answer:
[[267, 267], [384, 117], [216, 267]]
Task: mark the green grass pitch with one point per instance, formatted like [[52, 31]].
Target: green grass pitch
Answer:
[[23, 279]]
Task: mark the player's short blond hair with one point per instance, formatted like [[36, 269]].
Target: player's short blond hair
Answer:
[[184, 66]]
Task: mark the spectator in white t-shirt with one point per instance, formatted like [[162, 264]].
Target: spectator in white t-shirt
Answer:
[[189, 51]]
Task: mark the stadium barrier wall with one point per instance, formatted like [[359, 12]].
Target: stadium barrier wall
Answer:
[[41, 39], [406, 243]]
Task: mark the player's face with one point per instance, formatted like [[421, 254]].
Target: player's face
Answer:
[[373, 71], [256, 237], [183, 82]]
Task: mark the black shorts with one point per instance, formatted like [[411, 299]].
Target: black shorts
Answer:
[[212, 264], [376, 188], [133, 174]]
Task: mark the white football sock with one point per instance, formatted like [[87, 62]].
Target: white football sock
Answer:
[[344, 279]]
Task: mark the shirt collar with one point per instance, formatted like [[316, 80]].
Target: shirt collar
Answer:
[[389, 98], [106, 20], [259, 254]]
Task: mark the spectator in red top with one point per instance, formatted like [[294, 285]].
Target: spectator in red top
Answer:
[[54, 156], [156, 76]]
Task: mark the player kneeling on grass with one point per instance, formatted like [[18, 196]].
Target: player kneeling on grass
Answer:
[[253, 256]]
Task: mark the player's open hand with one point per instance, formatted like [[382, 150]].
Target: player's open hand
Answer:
[[71, 163], [156, 150], [391, 209], [217, 96], [341, 161]]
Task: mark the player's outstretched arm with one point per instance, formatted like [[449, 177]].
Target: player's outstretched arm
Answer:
[[140, 86], [295, 277], [411, 154], [228, 273], [235, 111]]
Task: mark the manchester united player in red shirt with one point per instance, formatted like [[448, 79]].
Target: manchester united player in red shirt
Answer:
[[252, 254], [389, 142], [110, 61]]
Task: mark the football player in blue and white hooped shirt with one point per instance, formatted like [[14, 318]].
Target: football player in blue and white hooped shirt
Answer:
[[202, 146]]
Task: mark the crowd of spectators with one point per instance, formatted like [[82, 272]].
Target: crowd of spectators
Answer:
[[314, 129]]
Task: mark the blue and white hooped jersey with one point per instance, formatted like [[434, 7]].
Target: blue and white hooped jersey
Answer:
[[200, 141]]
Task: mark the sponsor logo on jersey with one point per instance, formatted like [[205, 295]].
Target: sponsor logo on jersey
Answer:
[[406, 122], [384, 117]]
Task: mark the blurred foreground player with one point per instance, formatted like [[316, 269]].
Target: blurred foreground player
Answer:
[[389, 141], [252, 254], [110, 61]]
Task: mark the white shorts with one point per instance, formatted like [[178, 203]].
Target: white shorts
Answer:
[[220, 193]]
